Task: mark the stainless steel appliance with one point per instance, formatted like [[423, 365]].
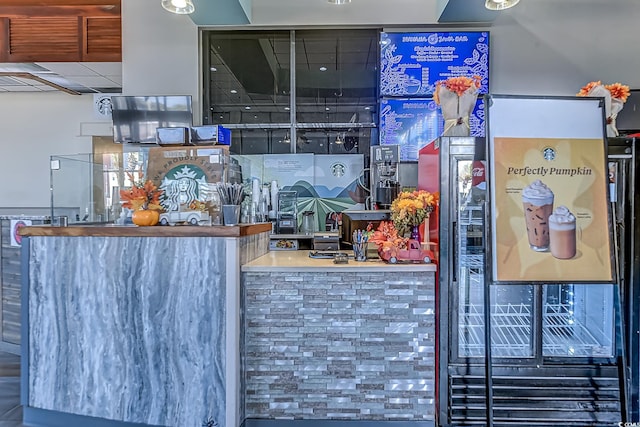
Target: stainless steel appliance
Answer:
[[308, 225], [287, 212], [385, 182], [553, 346]]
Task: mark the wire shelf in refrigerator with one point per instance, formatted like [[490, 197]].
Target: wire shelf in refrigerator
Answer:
[[475, 261], [563, 334]]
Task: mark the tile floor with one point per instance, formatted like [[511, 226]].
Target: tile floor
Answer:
[[10, 409]]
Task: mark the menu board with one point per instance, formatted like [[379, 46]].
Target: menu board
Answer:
[[413, 123], [412, 63]]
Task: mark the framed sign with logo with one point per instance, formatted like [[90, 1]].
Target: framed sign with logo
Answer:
[[548, 181]]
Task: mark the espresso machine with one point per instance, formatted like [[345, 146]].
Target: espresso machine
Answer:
[[385, 183]]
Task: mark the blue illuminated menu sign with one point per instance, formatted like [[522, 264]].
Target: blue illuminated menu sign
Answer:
[[412, 63], [413, 123]]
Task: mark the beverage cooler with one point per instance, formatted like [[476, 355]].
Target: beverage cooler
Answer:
[[554, 351]]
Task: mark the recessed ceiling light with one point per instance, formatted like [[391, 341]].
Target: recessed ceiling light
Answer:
[[323, 68], [247, 108], [214, 69], [234, 91], [367, 108], [287, 108], [500, 4], [327, 108], [179, 6]]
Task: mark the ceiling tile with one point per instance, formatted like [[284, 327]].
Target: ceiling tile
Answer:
[[69, 68], [92, 81], [105, 68]]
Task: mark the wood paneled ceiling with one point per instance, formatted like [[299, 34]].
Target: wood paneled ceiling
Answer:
[[60, 31]]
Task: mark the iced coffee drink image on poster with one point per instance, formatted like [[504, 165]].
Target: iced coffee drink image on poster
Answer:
[[537, 200], [551, 219], [548, 230], [562, 233]]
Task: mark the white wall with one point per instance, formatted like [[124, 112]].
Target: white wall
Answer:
[[160, 56], [159, 52], [552, 47], [34, 126]]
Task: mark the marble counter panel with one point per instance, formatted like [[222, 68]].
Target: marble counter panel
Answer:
[[128, 328]]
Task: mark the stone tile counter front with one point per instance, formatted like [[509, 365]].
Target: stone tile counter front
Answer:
[[326, 341]]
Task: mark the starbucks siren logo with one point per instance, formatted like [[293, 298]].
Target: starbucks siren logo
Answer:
[[338, 169], [549, 154], [183, 185]]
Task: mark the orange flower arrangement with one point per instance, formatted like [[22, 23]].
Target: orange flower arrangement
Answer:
[[617, 90], [588, 87], [386, 237], [141, 196], [459, 85], [411, 208]]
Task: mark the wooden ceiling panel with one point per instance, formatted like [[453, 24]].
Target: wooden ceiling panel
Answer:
[[60, 7], [103, 40], [41, 36], [60, 30]]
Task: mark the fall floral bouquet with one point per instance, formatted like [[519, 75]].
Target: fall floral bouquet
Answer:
[[411, 208], [615, 95], [457, 97], [142, 195], [143, 198], [386, 237]]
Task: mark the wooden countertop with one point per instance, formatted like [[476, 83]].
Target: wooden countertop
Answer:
[[275, 261], [110, 230]]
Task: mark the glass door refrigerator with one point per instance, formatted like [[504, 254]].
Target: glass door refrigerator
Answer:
[[553, 347], [624, 164]]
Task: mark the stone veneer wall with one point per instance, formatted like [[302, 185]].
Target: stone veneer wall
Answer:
[[339, 345]]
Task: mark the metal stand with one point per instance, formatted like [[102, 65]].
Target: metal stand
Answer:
[[621, 336], [558, 327], [488, 373], [488, 369]]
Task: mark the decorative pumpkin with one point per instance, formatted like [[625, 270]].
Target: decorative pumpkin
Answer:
[[145, 217]]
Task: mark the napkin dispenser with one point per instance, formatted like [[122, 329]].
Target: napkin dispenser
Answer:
[[326, 241]]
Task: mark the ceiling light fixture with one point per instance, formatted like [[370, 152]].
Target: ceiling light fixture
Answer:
[[339, 139], [181, 7], [500, 4], [339, 1]]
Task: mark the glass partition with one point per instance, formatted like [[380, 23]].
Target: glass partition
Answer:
[[85, 188]]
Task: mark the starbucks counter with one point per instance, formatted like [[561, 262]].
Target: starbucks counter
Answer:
[[337, 342], [129, 326], [176, 326]]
